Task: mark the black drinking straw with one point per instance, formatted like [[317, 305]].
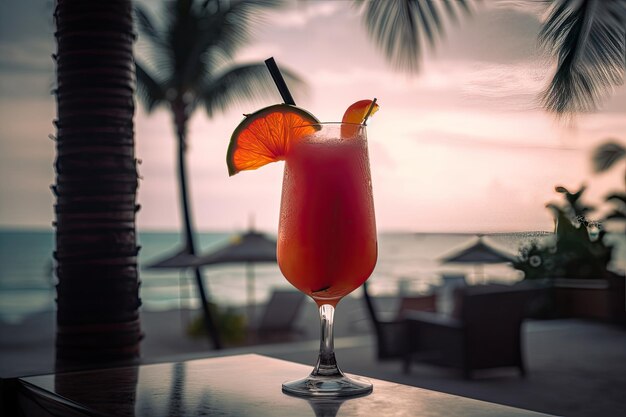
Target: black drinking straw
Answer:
[[369, 111], [279, 81]]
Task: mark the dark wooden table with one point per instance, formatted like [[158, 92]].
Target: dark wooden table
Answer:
[[244, 385]]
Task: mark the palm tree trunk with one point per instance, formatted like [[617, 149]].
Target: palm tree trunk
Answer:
[[180, 121], [188, 233], [96, 182]]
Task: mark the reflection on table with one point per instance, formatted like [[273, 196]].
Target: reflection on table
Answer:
[[244, 385]]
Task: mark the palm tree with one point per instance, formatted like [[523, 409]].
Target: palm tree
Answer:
[[96, 183], [585, 36], [190, 66]]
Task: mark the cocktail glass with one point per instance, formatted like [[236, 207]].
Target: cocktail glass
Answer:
[[327, 245]]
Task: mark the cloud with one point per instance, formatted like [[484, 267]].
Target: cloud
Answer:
[[493, 34], [23, 20], [26, 45], [536, 8], [28, 85], [33, 54], [512, 87], [503, 80], [476, 141], [301, 13]]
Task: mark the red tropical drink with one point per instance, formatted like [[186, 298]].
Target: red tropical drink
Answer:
[[327, 232], [327, 243]]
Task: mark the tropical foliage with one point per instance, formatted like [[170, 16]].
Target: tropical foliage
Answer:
[[604, 158], [578, 249], [586, 38], [607, 155], [189, 61], [231, 324], [574, 206], [619, 210], [402, 28]]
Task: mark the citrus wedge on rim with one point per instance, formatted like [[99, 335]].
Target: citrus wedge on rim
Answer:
[[266, 136], [354, 117], [357, 111]]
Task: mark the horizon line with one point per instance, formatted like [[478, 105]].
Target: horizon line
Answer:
[[21, 228]]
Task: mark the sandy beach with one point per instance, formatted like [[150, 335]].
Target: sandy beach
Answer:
[[575, 367]]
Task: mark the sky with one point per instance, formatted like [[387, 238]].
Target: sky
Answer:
[[462, 146]]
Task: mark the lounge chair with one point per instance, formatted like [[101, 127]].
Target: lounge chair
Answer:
[[483, 331], [445, 293], [391, 334], [278, 318]]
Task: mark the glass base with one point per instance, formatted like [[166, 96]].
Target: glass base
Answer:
[[328, 386]]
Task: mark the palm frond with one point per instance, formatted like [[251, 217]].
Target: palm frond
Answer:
[[615, 215], [587, 38], [451, 11], [555, 209], [197, 41], [401, 27], [146, 27], [150, 92], [425, 18], [606, 155], [244, 82], [201, 38], [234, 28], [617, 198], [183, 33], [574, 204], [154, 51], [434, 15]]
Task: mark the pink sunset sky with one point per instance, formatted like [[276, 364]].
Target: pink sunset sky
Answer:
[[461, 146]]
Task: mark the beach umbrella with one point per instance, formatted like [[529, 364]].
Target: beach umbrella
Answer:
[[178, 260], [182, 259], [478, 254], [249, 248]]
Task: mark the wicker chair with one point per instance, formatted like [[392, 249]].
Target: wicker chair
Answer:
[[391, 334], [484, 330]]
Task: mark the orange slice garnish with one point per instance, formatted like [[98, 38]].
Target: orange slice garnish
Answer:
[[357, 111], [267, 136], [355, 114]]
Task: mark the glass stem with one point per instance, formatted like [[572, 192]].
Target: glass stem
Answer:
[[326, 363]]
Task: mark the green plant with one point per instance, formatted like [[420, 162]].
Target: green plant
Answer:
[[574, 253], [619, 211], [608, 154], [604, 157], [230, 323]]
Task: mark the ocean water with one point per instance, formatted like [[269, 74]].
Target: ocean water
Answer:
[[407, 262]]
